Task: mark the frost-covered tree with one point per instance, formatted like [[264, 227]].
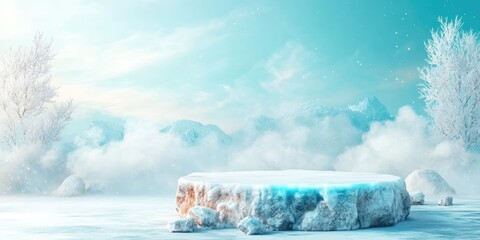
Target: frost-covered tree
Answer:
[[29, 114], [451, 83]]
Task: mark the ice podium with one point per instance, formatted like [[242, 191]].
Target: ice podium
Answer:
[[305, 200]]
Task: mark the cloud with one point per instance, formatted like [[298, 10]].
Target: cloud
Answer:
[[131, 53], [103, 70], [396, 147], [90, 72], [136, 164], [145, 160], [287, 64], [405, 144], [294, 145], [79, 69], [150, 161], [154, 104]]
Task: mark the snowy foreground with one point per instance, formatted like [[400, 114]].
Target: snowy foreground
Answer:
[[102, 217], [263, 201]]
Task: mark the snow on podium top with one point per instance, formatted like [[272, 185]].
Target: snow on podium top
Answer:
[[290, 178]]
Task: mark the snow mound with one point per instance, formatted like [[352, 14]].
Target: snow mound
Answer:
[[193, 132], [251, 226], [72, 186], [427, 181], [297, 199]]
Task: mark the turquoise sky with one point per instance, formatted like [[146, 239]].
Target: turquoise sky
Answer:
[[223, 61]]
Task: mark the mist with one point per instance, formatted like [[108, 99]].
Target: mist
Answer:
[[149, 161], [139, 157]]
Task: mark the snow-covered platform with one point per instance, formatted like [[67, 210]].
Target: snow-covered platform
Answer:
[[297, 199]]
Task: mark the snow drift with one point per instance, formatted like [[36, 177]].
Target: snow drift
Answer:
[[429, 182], [72, 186]]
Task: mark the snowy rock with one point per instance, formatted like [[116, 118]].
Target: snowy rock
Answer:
[[427, 181], [417, 198], [297, 199], [182, 225], [205, 217], [71, 186], [446, 201], [251, 226]]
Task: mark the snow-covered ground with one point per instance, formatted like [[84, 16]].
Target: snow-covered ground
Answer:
[[104, 217]]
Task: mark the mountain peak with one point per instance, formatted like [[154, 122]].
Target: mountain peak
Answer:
[[372, 108]]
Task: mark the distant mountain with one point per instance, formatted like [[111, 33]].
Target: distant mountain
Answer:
[[316, 109], [372, 108], [367, 111], [193, 132], [362, 114], [261, 124], [100, 133]]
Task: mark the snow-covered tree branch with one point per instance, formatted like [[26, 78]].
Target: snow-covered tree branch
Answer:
[[29, 114], [451, 83]]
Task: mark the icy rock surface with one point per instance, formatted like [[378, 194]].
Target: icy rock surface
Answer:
[[446, 201], [297, 199], [71, 186], [427, 181], [251, 226], [417, 198], [182, 225], [205, 217]]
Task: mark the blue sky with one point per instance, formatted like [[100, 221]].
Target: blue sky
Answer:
[[223, 61]]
